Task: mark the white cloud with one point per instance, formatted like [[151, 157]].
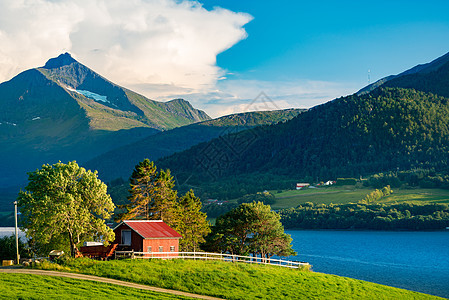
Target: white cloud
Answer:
[[159, 42], [33, 31], [163, 49]]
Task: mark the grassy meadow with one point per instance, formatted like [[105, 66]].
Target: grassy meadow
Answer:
[[236, 280], [27, 286], [351, 194]]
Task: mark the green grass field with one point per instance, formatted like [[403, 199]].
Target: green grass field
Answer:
[[26, 286], [418, 195], [236, 280], [350, 194]]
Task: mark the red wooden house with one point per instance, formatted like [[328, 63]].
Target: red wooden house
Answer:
[[146, 236]]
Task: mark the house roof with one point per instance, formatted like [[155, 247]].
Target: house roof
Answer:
[[150, 229]]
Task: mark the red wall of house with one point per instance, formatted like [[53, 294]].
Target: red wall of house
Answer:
[[156, 243], [136, 239], [139, 244]]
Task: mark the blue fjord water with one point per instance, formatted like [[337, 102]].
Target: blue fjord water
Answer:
[[417, 261]]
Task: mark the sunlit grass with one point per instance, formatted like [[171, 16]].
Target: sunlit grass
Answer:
[[419, 196], [239, 280], [350, 194], [27, 286], [327, 195]]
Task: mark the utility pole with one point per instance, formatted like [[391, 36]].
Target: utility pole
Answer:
[[17, 235]]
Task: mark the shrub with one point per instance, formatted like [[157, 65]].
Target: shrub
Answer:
[[8, 248]]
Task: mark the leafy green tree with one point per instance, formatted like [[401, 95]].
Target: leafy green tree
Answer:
[[250, 228], [264, 197], [65, 204], [377, 195], [190, 222], [268, 237]]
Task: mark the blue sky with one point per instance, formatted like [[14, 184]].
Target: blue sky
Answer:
[[335, 40], [222, 54]]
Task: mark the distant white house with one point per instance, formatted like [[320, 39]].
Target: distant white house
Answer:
[[301, 185], [216, 202]]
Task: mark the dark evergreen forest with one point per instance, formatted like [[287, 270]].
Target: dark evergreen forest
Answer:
[[389, 129]]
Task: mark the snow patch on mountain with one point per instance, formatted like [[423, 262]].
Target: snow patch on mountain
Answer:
[[91, 95]]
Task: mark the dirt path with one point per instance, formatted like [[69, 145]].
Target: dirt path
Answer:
[[103, 279]]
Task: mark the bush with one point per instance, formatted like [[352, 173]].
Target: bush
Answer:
[[8, 248], [265, 197]]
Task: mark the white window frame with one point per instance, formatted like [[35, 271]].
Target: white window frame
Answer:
[[161, 248], [172, 248], [149, 249]]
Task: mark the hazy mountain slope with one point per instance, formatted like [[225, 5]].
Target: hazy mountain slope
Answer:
[[121, 161], [435, 81], [65, 111], [431, 77]]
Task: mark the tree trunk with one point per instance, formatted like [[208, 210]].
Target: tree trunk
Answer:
[[72, 245]]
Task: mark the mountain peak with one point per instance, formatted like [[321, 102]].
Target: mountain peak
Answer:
[[57, 62]]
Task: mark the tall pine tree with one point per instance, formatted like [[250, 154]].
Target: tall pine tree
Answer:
[[191, 222], [152, 196], [164, 198], [142, 189]]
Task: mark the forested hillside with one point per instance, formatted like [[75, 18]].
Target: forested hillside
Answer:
[[376, 216], [387, 129], [432, 82]]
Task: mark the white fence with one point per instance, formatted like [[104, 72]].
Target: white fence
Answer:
[[213, 256]]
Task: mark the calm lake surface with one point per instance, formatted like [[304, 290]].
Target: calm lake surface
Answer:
[[417, 261], [8, 231]]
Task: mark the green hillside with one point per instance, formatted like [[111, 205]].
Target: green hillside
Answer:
[[387, 129], [121, 161], [238, 280], [350, 194], [26, 286]]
